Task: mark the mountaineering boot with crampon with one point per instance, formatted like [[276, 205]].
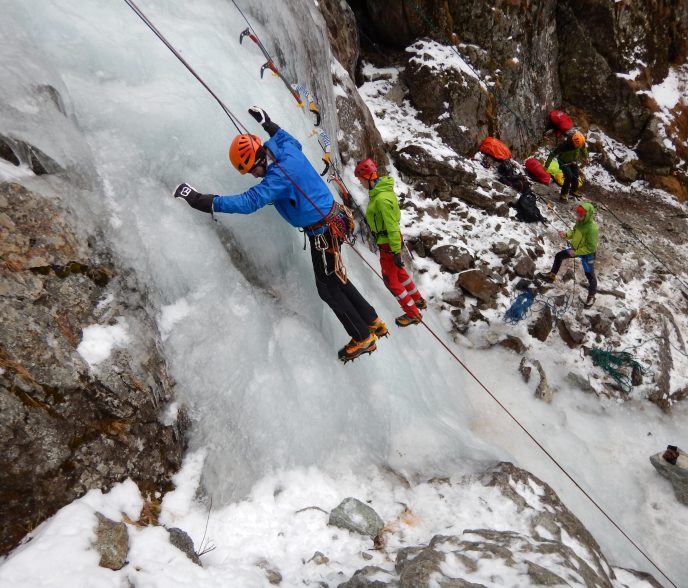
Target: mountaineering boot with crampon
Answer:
[[421, 304], [378, 328], [546, 276], [354, 349], [590, 300], [405, 320]]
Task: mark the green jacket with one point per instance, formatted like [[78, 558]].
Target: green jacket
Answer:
[[583, 236], [383, 214], [567, 152]]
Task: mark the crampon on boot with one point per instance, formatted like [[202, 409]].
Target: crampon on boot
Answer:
[[379, 328], [589, 301], [421, 304], [405, 320], [546, 277], [354, 349]]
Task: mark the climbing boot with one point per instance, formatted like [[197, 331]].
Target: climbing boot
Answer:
[[378, 328], [405, 320], [421, 304], [354, 349], [546, 276], [564, 197], [590, 300]]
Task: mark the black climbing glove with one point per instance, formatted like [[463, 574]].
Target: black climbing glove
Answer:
[[202, 202], [398, 261], [263, 119], [259, 114]]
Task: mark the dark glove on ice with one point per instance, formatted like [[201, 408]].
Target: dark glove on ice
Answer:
[[398, 261], [263, 119], [202, 202], [259, 114]]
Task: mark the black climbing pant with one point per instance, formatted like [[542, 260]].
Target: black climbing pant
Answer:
[[570, 185], [352, 310], [588, 262]]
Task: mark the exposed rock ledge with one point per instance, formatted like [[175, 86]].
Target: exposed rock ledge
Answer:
[[66, 427]]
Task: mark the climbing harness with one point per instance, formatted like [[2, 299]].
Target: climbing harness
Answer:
[[339, 223], [613, 361]]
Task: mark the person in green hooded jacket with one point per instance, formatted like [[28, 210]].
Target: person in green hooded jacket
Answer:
[[583, 240], [568, 153], [383, 217]]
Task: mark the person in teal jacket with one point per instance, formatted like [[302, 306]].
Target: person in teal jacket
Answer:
[[383, 217], [583, 240], [568, 154]]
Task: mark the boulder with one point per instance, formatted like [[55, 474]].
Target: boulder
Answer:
[[452, 259], [525, 267], [112, 543], [477, 284], [543, 391], [676, 473], [357, 517], [541, 327], [514, 343], [181, 540]]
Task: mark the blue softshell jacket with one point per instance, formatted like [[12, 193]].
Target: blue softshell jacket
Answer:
[[276, 188]]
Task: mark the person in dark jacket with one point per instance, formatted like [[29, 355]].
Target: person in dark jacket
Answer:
[[302, 198], [568, 154], [583, 240]]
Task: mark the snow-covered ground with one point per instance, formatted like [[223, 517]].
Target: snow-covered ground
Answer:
[[278, 425]]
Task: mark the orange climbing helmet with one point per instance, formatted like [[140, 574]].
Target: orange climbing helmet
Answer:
[[244, 151], [366, 169], [578, 139]]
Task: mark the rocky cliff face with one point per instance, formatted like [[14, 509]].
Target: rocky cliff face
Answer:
[[594, 58], [552, 548], [465, 70], [67, 427]]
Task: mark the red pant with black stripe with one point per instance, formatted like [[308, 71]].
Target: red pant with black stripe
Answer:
[[399, 282]]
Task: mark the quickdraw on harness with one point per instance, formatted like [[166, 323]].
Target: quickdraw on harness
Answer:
[[339, 223]]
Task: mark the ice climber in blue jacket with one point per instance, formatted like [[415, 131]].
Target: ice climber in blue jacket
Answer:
[[303, 199]]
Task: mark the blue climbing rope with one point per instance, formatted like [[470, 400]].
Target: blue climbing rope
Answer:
[[519, 308]]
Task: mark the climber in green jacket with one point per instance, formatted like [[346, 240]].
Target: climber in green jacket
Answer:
[[383, 217], [583, 240], [568, 154]]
